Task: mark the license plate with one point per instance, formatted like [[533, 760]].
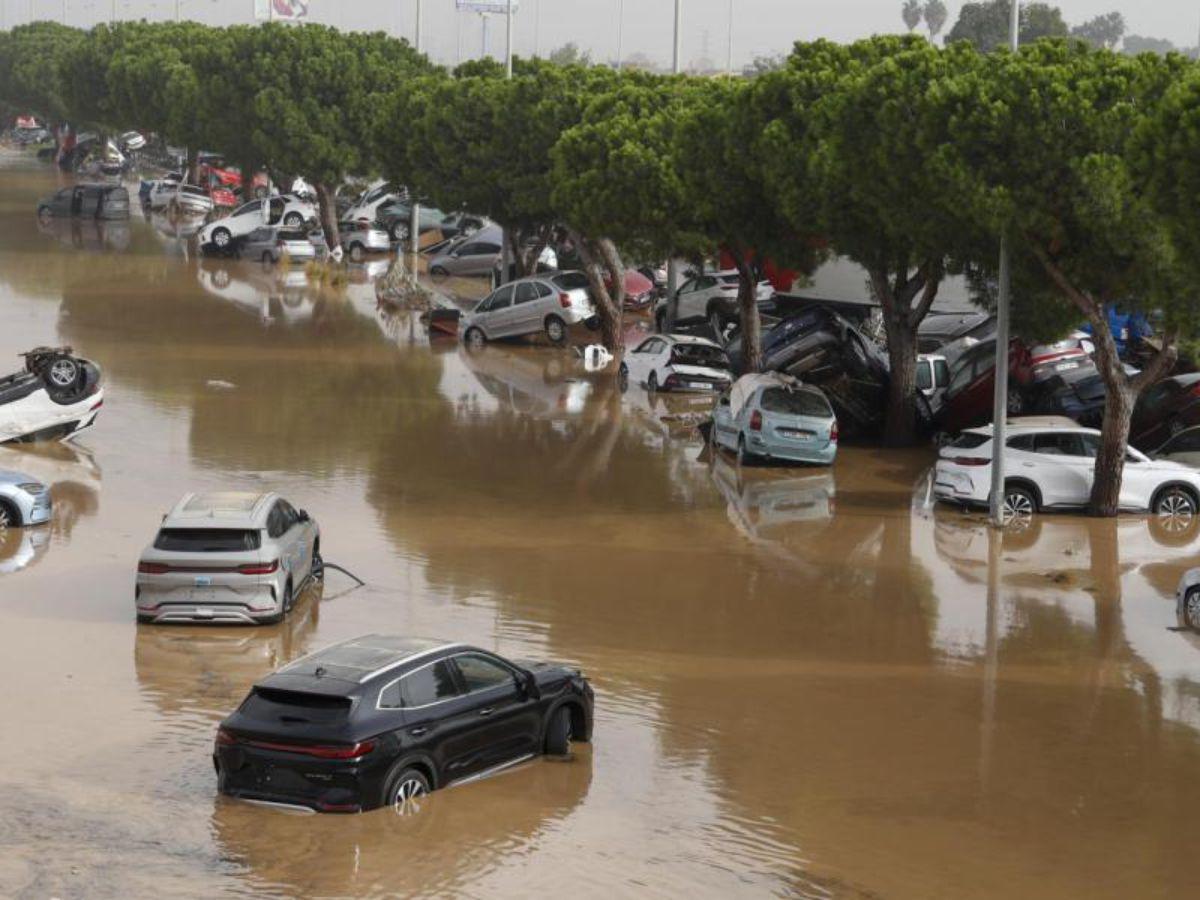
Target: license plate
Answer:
[[203, 612], [701, 385], [202, 581], [798, 433], [1066, 367]]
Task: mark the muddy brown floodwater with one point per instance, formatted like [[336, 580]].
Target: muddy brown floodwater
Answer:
[[805, 685]]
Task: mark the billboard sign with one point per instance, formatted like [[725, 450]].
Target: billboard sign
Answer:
[[280, 10], [487, 6]]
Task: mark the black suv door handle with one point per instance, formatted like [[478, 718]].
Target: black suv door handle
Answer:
[[487, 711], [418, 731]]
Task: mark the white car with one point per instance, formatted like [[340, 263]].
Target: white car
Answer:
[[711, 297], [676, 362], [1052, 467], [1187, 600], [188, 197], [283, 209], [366, 206]]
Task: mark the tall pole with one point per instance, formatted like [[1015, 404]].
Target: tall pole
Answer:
[[1000, 395], [177, 5], [484, 17], [620, 24], [537, 29], [729, 48], [505, 249], [414, 224], [672, 268]]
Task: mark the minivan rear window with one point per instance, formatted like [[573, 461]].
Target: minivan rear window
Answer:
[[795, 403], [969, 441], [273, 704], [208, 540]]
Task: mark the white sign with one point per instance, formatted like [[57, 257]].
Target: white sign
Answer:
[[487, 6], [280, 10]]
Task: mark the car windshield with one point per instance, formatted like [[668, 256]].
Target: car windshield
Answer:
[[795, 402], [208, 540], [699, 355]]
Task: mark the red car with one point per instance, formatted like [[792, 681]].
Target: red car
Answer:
[[639, 290]]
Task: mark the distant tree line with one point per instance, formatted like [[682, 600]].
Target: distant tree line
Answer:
[[904, 157]]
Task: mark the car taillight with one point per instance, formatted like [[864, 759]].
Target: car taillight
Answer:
[[321, 751], [1196, 389], [258, 568], [833, 432], [756, 421], [971, 460], [564, 300], [149, 568], [224, 738]]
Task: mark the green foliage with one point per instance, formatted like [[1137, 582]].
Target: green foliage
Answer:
[[986, 24], [30, 72], [1103, 31], [1135, 44]]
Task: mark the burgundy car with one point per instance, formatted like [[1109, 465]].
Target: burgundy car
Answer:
[[1164, 410]]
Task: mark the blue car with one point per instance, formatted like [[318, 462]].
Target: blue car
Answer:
[[774, 416]]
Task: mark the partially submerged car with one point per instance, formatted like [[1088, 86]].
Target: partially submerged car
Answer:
[[187, 198], [96, 201], [676, 362], [54, 397], [383, 720], [23, 500], [710, 297], [775, 416], [271, 243], [281, 210], [478, 254], [228, 558], [527, 306], [1164, 409]]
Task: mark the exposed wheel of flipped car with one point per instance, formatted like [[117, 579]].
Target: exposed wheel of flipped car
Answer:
[[1175, 501], [1016, 401], [406, 791], [558, 735], [293, 219], [221, 238], [652, 382], [357, 252], [437, 273], [64, 379], [556, 330], [475, 338], [9, 516], [400, 232], [623, 378], [1019, 503], [1189, 611]]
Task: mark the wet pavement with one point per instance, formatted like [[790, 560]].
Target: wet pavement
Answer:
[[809, 682]]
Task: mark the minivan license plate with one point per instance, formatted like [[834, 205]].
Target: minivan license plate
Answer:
[[203, 581]]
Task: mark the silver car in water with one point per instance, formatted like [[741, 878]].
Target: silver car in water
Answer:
[[229, 558], [271, 243], [528, 305], [23, 500]]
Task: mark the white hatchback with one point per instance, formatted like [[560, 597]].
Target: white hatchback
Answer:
[[1052, 467], [676, 362]]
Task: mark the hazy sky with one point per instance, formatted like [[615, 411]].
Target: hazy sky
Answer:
[[760, 26]]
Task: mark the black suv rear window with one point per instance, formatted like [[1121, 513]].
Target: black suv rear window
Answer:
[[273, 704], [208, 540]]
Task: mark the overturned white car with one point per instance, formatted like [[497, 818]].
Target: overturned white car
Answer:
[[54, 397]]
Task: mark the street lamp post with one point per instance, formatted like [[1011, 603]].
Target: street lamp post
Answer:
[[1000, 395], [620, 25], [505, 249], [672, 268], [729, 48], [414, 224]]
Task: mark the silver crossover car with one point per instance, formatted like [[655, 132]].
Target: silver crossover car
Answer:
[[23, 500], [271, 243], [227, 558], [528, 305]]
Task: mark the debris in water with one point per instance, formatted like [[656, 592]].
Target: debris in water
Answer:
[[218, 385]]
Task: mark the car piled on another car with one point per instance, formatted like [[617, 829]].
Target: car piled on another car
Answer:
[[54, 397]]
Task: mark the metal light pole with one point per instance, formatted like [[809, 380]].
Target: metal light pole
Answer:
[[1000, 396], [672, 268], [505, 249], [414, 224], [729, 49], [620, 23]]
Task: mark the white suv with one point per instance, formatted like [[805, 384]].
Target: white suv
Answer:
[[1052, 467], [284, 209]]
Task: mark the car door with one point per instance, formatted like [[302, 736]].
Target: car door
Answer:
[[500, 313], [437, 718], [508, 722], [1183, 448], [723, 422], [1139, 479], [477, 258], [527, 313], [637, 363], [1150, 427], [1062, 470], [295, 543]]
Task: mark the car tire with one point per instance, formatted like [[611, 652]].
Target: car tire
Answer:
[[292, 219], [405, 790], [437, 273], [357, 252], [289, 598], [267, 258], [1016, 401], [556, 330], [652, 382], [1176, 501], [400, 232], [474, 338], [1189, 610], [221, 238], [744, 456], [623, 378], [558, 733], [10, 516], [1019, 501], [145, 620]]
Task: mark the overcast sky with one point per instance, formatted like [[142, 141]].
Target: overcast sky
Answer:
[[760, 26]]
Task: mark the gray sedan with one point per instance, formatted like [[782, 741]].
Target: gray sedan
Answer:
[[527, 306], [270, 243]]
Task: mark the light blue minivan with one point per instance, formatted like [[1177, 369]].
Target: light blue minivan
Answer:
[[774, 416]]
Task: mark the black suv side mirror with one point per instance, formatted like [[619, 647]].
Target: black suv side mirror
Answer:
[[303, 515], [529, 686]]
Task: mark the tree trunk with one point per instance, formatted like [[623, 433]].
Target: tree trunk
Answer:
[[192, 173], [599, 257], [900, 320], [751, 323], [329, 223]]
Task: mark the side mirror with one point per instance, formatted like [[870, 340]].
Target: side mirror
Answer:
[[303, 514], [528, 685]]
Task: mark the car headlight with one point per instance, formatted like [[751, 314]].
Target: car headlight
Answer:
[[32, 487]]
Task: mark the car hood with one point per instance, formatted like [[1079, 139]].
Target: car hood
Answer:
[[1173, 467]]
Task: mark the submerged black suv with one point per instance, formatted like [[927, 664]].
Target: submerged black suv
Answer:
[[383, 720]]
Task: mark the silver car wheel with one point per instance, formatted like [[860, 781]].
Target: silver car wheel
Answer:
[[408, 797], [64, 372], [1176, 508], [221, 238], [1191, 608], [5, 517], [1017, 507]]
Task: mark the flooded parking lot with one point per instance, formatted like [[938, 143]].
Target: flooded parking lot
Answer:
[[809, 682]]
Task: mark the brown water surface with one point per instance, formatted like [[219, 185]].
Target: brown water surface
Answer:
[[805, 685]]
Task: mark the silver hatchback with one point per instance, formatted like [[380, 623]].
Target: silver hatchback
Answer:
[[227, 558], [529, 305], [270, 243]]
